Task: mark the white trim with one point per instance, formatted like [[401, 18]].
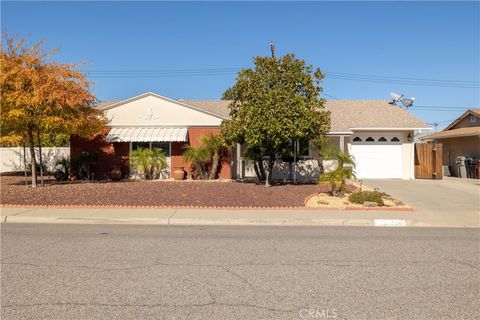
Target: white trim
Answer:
[[390, 129], [149, 93]]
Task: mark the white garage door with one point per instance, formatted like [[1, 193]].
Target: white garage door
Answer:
[[378, 160]]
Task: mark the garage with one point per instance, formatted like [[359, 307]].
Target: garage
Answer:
[[377, 157]]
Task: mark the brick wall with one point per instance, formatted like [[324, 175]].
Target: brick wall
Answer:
[[194, 139], [116, 154], [108, 154]]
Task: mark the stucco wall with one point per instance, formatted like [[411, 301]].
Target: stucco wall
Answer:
[[462, 146]]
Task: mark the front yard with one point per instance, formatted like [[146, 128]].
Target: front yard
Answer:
[[156, 193]]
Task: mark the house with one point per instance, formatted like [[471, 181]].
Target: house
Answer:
[[459, 138], [378, 135]]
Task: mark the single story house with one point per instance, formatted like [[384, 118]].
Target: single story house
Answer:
[[377, 134], [459, 138]]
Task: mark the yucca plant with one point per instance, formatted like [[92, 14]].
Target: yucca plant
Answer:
[[148, 162], [215, 145], [198, 157]]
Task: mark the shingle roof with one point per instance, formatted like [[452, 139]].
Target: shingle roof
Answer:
[[349, 114], [454, 133], [219, 107], [106, 103], [345, 114]]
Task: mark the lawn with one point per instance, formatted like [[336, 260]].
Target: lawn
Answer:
[[156, 193]]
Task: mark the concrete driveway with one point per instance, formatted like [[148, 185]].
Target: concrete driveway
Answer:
[[448, 202]]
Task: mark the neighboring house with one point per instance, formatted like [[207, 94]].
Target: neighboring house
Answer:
[[459, 138], [379, 136]]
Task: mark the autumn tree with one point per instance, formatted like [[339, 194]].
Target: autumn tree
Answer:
[[40, 97], [276, 102]]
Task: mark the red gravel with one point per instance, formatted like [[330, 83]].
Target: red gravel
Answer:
[[156, 193]]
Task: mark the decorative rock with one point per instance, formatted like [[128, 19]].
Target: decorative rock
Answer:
[[370, 204]]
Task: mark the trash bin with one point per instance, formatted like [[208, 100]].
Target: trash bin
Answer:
[[469, 168], [476, 167], [462, 170]]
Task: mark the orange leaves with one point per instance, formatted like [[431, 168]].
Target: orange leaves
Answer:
[[40, 95]]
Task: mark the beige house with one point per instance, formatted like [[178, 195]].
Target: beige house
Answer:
[[459, 138]]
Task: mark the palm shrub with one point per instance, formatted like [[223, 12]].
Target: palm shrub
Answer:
[[215, 146], [64, 171], [338, 178], [198, 157], [82, 164], [148, 162]]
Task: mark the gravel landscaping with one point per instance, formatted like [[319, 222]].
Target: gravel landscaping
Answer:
[[155, 193]]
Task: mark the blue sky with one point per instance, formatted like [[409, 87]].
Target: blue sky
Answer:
[[426, 40]]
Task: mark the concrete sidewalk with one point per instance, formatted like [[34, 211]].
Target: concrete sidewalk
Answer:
[[225, 217]]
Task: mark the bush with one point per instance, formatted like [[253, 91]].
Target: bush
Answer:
[[372, 196]]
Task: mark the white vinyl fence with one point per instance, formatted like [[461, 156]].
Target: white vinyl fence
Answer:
[[11, 159]]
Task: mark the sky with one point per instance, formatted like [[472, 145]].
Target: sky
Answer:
[[193, 50]]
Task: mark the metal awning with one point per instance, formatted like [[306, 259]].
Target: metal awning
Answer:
[[145, 134]]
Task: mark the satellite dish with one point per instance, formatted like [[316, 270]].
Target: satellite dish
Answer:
[[407, 103]]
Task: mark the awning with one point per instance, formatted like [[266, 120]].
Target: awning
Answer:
[[141, 134]]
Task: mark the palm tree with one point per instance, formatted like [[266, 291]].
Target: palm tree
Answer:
[[215, 145], [342, 173], [149, 162], [198, 157]]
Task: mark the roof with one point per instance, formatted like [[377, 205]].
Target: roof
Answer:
[[345, 114], [219, 107], [466, 113], [454, 133], [363, 114]]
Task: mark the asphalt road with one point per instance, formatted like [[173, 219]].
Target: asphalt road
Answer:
[[155, 272]]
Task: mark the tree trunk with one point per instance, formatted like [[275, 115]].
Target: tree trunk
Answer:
[[33, 159], [261, 169], [215, 165], [271, 163], [40, 158], [25, 163], [257, 172]]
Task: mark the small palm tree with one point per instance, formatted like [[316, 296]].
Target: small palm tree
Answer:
[[198, 157], [338, 177], [149, 162], [215, 145]]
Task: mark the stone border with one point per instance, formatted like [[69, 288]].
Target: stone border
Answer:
[[352, 208]]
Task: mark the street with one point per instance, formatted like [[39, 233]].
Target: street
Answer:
[[54, 271]]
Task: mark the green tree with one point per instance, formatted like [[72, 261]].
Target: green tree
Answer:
[[198, 157], [149, 162], [215, 145], [274, 103], [338, 178]]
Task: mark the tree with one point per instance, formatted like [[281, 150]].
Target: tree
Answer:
[[149, 162], [198, 157], [275, 103], [337, 178], [40, 96], [215, 145]]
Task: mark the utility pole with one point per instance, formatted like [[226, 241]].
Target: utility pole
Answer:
[[272, 48]]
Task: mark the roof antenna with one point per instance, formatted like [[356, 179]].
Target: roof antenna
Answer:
[[407, 103], [272, 48]]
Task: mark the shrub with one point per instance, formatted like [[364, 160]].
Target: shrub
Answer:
[[362, 196]]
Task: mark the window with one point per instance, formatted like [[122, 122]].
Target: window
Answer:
[[370, 139], [357, 139], [382, 139], [395, 139], [473, 118], [165, 146]]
